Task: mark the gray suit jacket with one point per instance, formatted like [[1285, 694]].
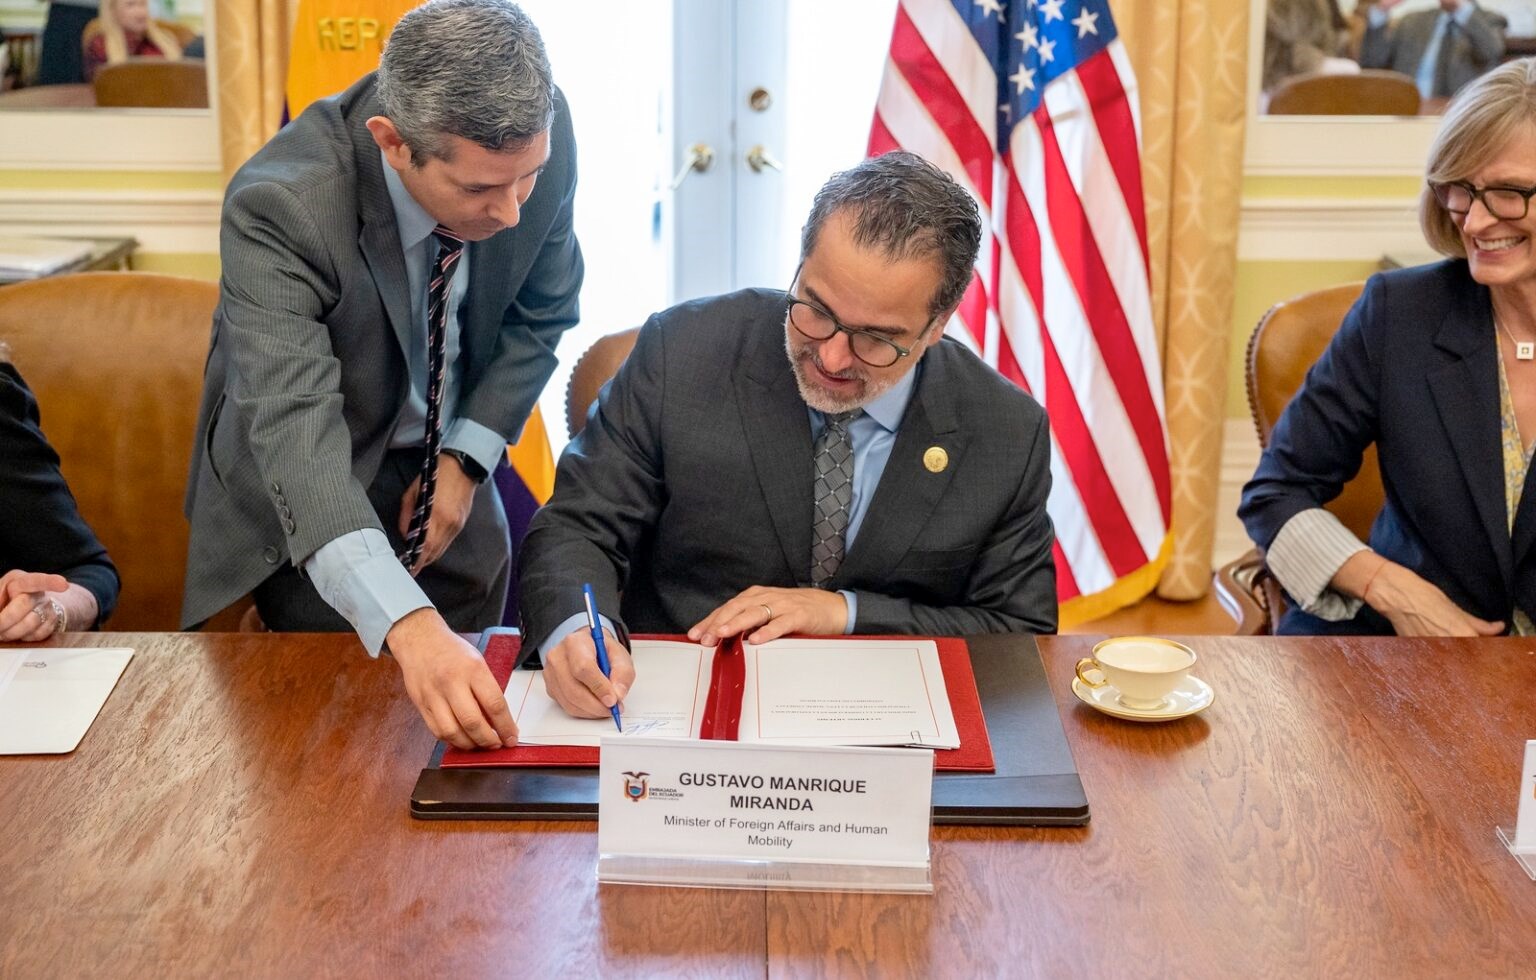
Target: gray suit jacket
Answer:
[[1400, 46], [307, 374], [693, 480]]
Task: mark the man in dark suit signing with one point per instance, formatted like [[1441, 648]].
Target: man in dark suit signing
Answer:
[[814, 461], [398, 266]]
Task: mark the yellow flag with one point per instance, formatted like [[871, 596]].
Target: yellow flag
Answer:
[[336, 42], [533, 460]]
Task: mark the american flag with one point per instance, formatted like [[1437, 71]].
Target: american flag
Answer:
[[1031, 105]]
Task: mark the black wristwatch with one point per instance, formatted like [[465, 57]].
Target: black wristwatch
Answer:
[[468, 464]]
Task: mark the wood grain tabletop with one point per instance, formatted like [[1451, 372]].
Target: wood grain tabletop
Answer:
[[240, 808]]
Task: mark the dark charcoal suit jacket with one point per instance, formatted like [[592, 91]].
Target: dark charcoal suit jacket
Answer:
[[1414, 369], [693, 480], [40, 527]]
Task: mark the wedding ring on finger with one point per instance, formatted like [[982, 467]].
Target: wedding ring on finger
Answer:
[[767, 609]]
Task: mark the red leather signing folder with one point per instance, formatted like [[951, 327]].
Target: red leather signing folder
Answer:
[[723, 711]]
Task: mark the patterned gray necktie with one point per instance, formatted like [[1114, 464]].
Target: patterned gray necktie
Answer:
[[449, 248], [834, 497]]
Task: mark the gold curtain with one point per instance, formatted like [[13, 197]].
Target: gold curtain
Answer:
[[252, 38], [1191, 61]]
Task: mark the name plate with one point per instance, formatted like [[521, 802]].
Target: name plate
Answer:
[[1521, 841], [726, 814]]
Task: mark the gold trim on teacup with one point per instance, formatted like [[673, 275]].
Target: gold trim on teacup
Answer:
[[1155, 640]]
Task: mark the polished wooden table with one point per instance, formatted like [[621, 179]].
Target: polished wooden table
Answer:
[[240, 808]]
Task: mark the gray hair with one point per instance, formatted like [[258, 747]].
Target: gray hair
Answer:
[[1479, 123], [475, 69], [907, 208]]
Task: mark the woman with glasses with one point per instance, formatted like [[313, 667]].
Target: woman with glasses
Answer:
[[1435, 366]]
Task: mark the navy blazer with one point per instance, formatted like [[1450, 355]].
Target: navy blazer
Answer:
[[41, 529], [1414, 369]]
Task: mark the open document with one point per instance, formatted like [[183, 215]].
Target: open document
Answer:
[[787, 692]]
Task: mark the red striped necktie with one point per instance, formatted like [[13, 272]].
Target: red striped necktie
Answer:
[[449, 248]]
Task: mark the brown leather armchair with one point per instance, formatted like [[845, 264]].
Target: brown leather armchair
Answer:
[[153, 83], [1372, 92], [116, 362], [1286, 343], [592, 371]]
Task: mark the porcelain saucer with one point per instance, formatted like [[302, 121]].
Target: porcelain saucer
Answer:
[[1191, 696]]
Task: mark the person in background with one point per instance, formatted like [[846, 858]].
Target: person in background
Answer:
[[60, 61], [1300, 39], [1435, 366], [1440, 49], [127, 31], [54, 574]]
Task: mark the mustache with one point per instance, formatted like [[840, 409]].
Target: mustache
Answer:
[[849, 374]]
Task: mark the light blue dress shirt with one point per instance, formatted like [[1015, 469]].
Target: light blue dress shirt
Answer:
[[873, 434], [358, 573]]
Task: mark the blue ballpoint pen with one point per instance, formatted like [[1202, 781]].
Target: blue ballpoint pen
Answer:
[[596, 625]]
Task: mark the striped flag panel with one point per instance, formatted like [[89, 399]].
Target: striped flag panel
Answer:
[[1031, 106]]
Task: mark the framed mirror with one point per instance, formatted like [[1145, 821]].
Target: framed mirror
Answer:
[[160, 116]]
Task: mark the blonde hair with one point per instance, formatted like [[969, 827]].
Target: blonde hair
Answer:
[[117, 39], [1298, 35], [1480, 121]]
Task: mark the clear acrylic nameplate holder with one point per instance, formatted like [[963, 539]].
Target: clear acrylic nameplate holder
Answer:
[[1526, 858], [715, 814], [1520, 839], [764, 875]]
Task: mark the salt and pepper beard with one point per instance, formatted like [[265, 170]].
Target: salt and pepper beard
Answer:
[[818, 397]]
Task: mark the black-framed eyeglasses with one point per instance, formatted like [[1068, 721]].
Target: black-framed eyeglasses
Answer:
[[1503, 202], [815, 323]]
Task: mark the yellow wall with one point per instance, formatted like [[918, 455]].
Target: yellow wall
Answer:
[[112, 180], [1261, 284], [194, 265], [198, 265]]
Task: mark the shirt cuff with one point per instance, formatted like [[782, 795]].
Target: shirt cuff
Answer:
[[1306, 555], [1376, 17], [477, 442], [568, 626], [852, 598], [360, 576]]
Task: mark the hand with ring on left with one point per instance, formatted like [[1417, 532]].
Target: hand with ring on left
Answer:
[[28, 609], [771, 613]]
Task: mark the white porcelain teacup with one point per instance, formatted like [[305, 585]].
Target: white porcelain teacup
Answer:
[[1144, 669]]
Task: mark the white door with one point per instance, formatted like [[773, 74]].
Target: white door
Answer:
[[778, 93]]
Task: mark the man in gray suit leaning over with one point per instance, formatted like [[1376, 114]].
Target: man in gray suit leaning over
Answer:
[[399, 264], [815, 461]]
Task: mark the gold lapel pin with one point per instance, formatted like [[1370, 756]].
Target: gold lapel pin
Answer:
[[935, 459]]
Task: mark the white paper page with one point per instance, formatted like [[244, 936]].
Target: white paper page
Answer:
[[846, 692], [50, 702], [667, 701], [30, 257], [10, 662]]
